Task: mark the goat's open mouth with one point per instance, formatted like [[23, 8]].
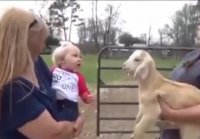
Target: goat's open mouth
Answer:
[[128, 71]]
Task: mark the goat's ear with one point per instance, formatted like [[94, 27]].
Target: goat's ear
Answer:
[[142, 71]]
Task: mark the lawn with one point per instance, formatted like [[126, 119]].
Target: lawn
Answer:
[[89, 68]]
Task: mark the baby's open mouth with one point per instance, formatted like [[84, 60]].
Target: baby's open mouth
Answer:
[[79, 64]]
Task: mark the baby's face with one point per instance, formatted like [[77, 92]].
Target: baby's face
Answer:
[[73, 58]]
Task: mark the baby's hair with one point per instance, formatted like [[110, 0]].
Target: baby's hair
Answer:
[[59, 53]]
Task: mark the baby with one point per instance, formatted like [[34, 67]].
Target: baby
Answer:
[[68, 82]]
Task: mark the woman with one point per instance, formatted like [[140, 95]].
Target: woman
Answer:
[[188, 72], [28, 108]]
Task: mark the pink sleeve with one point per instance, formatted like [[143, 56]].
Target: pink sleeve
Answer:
[[83, 90]]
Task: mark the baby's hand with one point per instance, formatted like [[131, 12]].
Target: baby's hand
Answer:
[[91, 101]]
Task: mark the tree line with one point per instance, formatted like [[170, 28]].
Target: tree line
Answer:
[[102, 31], [181, 31]]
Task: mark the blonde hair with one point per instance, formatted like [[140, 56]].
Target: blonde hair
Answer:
[[14, 51], [58, 55]]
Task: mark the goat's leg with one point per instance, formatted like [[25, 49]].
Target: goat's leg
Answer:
[[145, 123], [139, 115]]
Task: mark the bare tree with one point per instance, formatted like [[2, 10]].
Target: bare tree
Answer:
[[82, 32], [59, 15], [74, 17], [95, 22], [101, 31], [160, 32], [184, 21], [109, 22], [149, 36]]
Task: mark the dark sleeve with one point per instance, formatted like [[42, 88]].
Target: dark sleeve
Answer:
[[170, 134], [190, 75], [177, 72], [42, 66], [19, 106]]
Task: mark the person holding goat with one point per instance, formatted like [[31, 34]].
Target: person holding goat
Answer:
[[187, 71]]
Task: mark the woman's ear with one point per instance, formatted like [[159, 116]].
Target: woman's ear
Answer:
[[142, 71]]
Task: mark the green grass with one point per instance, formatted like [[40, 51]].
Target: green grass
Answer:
[[89, 68]]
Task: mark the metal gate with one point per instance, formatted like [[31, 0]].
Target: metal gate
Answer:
[[100, 85]]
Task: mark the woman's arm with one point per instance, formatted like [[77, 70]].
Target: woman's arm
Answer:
[[30, 117], [190, 114], [45, 127]]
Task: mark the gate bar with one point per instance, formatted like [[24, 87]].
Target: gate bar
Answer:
[[118, 103], [129, 131], [119, 68]]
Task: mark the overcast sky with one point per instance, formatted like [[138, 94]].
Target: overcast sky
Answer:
[[135, 16]]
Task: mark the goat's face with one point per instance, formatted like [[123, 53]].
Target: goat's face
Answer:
[[137, 64]]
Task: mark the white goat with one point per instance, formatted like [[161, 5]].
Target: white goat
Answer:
[[152, 84]]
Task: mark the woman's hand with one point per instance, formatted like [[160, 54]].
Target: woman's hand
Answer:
[[166, 111], [166, 116], [187, 115], [79, 123]]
